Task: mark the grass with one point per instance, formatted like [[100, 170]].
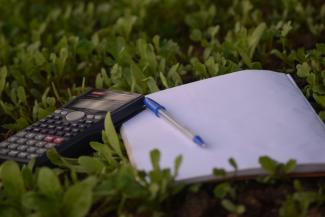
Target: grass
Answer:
[[52, 51]]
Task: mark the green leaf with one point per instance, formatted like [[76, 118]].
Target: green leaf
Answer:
[[255, 38], [231, 207], [153, 87], [222, 190], [303, 70], [78, 198], [196, 35], [290, 166], [12, 180], [322, 115], [3, 76], [48, 183], [104, 151], [178, 162], [155, 158], [233, 163], [112, 135], [21, 95], [268, 164], [219, 172], [91, 164], [163, 80]]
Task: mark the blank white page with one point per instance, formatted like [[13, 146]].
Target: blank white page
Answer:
[[242, 115]]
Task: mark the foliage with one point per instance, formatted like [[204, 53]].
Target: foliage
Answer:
[[52, 51]]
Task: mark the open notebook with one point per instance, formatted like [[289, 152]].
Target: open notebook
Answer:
[[243, 115]]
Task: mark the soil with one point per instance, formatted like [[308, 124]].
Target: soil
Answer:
[[260, 200]]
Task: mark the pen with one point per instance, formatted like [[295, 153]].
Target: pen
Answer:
[[161, 112]]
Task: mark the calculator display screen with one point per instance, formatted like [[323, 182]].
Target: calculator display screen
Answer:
[[99, 105]]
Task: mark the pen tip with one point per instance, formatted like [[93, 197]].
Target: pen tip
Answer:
[[199, 141]]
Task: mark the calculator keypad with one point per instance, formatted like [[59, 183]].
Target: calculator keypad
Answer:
[[49, 132]]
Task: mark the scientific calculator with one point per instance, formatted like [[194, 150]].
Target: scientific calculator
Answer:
[[70, 128]]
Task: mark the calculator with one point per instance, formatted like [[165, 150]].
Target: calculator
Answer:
[[70, 128]]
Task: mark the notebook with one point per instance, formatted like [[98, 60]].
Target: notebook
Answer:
[[241, 115]]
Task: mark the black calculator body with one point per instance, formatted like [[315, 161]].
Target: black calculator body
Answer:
[[70, 128]]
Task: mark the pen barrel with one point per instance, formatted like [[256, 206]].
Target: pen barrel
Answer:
[[165, 115]]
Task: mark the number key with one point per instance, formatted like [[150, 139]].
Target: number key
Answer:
[[30, 135], [13, 153], [21, 141], [12, 139], [40, 144], [39, 137], [4, 144], [4, 151], [31, 142], [22, 155], [22, 148], [13, 146], [31, 149], [21, 134]]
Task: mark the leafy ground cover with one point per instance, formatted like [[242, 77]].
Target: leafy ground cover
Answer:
[[52, 51]]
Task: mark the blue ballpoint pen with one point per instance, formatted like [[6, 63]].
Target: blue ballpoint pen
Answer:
[[161, 112]]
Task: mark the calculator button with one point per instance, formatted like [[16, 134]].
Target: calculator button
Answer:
[[12, 139], [81, 126], [40, 150], [31, 156], [21, 141], [43, 125], [75, 130], [36, 130], [50, 121], [31, 142], [51, 132], [98, 117], [50, 145], [56, 117], [22, 155], [59, 128], [44, 131], [31, 149], [90, 116], [30, 135], [89, 122], [49, 138], [51, 127], [59, 133], [57, 111], [22, 148], [13, 146], [67, 129], [74, 116], [66, 124], [58, 140], [64, 112], [58, 122], [4, 151], [67, 135], [21, 134], [39, 137], [36, 125], [13, 153], [40, 144], [4, 144]]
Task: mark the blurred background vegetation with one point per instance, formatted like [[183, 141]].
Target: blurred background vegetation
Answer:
[[51, 51]]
